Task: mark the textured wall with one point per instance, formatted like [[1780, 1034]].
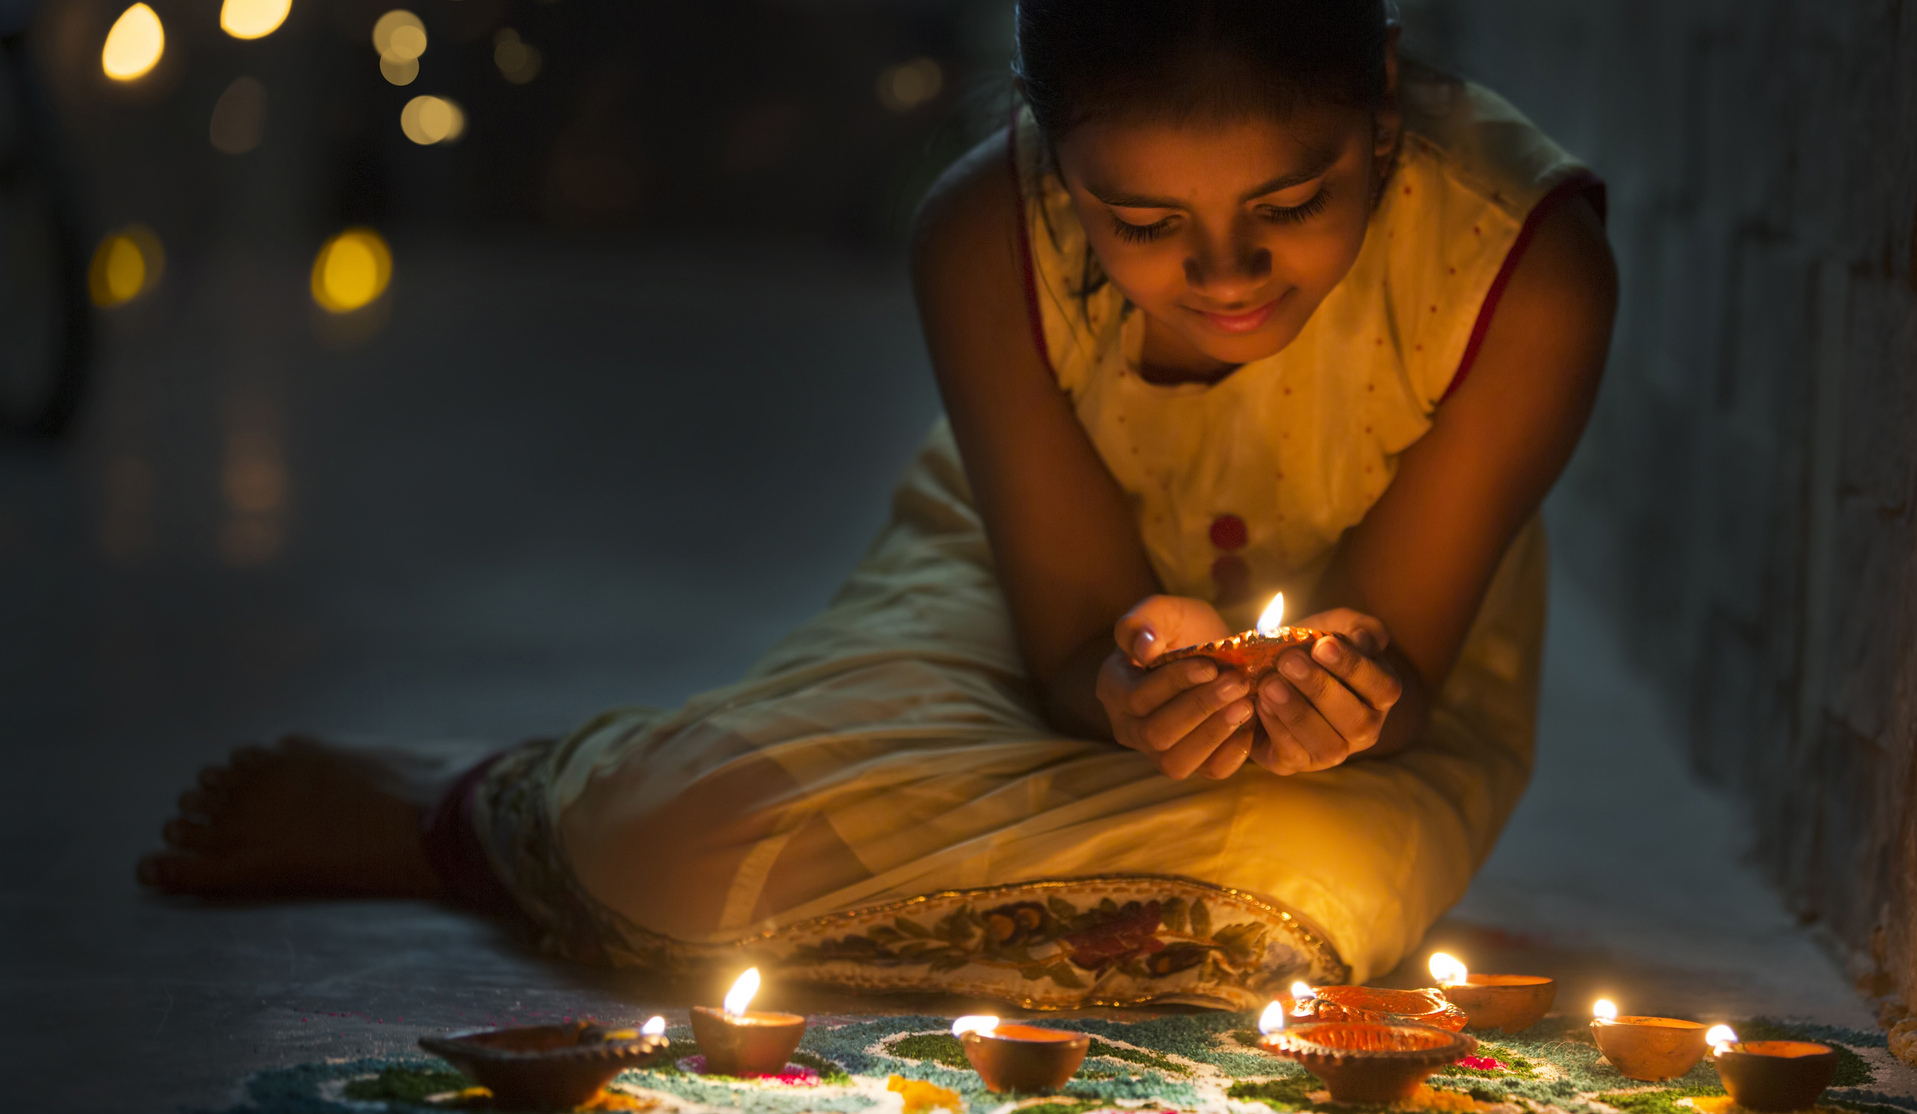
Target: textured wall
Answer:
[[1743, 499]]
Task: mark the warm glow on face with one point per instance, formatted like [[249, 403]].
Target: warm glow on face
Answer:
[[1273, 620], [430, 120], [1720, 1038], [655, 1026], [1604, 1010], [1447, 970], [134, 44], [351, 271], [740, 996], [1273, 1019], [253, 19], [125, 265], [974, 1023]]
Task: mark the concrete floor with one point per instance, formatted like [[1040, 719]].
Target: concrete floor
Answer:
[[563, 477]]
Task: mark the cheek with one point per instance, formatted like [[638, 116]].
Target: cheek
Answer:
[[1318, 257], [1149, 277]]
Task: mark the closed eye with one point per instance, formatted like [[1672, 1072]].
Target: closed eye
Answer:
[[1296, 214], [1141, 233]]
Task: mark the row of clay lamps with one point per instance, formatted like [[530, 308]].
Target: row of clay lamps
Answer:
[[1771, 1076]]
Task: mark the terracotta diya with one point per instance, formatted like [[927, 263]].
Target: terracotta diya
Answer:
[[1020, 1057], [1374, 1004], [1772, 1076], [1508, 1002], [1647, 1048], [1363, 1061], [1254, 652], [548, 1067], [740, 1042]]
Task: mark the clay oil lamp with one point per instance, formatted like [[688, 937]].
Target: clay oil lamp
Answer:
[[737, 1042], [1020, 1057], [548, 1067], [1254, 652], [1363, 1061], [1512, 1003], [1374, 1003], [1647, 1048], [1772, 1076]]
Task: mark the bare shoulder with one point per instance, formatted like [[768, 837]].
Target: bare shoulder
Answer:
[[969, 218]]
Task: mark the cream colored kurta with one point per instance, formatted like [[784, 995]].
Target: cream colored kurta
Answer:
[[880, 804]]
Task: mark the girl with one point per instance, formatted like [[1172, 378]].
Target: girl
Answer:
[[1237, 303]]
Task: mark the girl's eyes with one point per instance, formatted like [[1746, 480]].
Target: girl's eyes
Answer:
[[1276, 214]]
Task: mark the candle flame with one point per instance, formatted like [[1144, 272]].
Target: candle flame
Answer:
[[1604, 1010], [655, 1026], [1273, 1019], [1273, 620], [740, 996], [1720, 1038], [982, 1024], [1448, 970], [1302, 991]]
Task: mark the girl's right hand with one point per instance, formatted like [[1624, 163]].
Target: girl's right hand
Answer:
[[1187, 717]]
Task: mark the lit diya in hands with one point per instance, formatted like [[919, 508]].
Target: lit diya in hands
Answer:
[[737, 1042], [1254, 652], [1508, 1002], [1771, 1076], [1647, 1048], [1362, 1061], [1020, 1057]]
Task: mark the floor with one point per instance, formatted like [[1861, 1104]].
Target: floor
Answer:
[[554, 476]]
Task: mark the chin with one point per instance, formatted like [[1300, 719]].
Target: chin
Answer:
[[1244, 348]]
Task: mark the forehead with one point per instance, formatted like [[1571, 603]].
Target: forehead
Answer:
[[1194, 157]]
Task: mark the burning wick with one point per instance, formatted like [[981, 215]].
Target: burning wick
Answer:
[[1447, 970], [655, 1026], [1604, 1010], [982, 1024], [740, 996], [1271, 624], [1720, 1038], [1273, 1019]]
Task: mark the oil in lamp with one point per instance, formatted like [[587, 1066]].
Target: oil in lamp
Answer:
[[1771, 1076], [1020, 1057], [1508, 1002], [1254, 652], [1647, 1048], [738, 1042], [1362, 1061]]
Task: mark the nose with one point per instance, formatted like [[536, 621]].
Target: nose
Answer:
[[1228, 269]]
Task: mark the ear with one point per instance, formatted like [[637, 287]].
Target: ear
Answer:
[[1390, 118]]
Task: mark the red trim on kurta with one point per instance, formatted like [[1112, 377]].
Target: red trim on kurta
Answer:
[[1025, 249], [1582, 183]]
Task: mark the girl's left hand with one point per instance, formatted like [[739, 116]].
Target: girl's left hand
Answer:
[[1326, 702]]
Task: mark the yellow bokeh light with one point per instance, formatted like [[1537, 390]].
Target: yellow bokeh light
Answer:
[[906, 86], [397, 70], [517, 59], [429, 120], [253, 19], [125, 265], [351, 271], [134, 44], [399, 34]]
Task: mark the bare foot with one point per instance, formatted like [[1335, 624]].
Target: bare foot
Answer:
[[297, 820]]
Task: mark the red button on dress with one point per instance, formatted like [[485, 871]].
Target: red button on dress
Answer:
[[1228, 532]]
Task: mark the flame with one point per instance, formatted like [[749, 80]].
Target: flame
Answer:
[[1273, 620], [1448, 970], [1604, 1010], [740, 996], [1273, 1019], [1720, 1038], [982, 1024], [655, 1026], [133, 44], [1302, 991]]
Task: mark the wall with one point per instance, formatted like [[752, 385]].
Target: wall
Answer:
[[1743, 498]]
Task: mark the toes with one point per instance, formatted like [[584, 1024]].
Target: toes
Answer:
[[188, 836]]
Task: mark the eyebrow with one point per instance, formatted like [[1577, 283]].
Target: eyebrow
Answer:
[[1315, 169]]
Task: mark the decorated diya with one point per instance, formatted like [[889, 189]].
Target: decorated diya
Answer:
[[1020, 1057], [1772, 1076], [1374, 1004], [1509, 1002], [1363, 1061], [548, 1067], [1648, 1049], [737, 1041], [1254, 652]]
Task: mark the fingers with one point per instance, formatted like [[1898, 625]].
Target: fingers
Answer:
[[1161, 623], [1182, 716], [1314, 719], [1365, 632], [1369, 678], [1205, 740], [1159, 686], [1230, 755], [1301, 739]]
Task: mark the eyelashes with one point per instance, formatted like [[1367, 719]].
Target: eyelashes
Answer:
[[1276, 214]]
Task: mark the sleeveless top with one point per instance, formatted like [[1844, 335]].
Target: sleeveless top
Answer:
[[1242, 487]]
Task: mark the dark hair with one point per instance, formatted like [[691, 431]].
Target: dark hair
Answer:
[[1182, 58]]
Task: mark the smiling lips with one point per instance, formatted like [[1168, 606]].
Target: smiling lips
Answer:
[[1246, 322]]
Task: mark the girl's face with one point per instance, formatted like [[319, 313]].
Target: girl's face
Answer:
[[1228, 234]]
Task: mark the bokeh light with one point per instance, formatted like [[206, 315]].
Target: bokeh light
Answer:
[[127, 263], [351, 271], [239, 117], [517, 59], [430, 120], [398, 71], [400, 34], [253, 19], [906, 86], [133, 45]]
